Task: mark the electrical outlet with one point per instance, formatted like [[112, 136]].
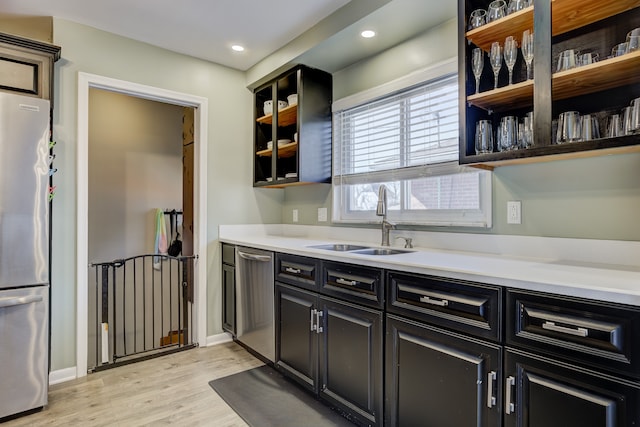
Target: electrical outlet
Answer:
[[514, 212], [295, 215], [322, 214]]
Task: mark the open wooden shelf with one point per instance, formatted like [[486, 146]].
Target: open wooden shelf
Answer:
[[566, 15], [607, 74], [497, 31], [285, 150], [517, 95], [286, 117]]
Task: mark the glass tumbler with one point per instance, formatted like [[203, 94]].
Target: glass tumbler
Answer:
[[477, 19], [497, 9], [484, 137], [508, 134]]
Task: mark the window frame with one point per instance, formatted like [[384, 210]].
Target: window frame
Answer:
[[481, 217]]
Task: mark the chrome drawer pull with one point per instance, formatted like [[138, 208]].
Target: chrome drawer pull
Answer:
[[509, 406], [342, 281], [319, 314], [438, 302], [491, 399], [293, 270], [579, 332]]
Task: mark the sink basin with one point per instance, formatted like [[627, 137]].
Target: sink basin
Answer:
[[381, 251], [339, 247]]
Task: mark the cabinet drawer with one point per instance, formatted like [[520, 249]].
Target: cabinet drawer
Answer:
[[603, 335], [459, 305], [362, 285], [297, 270], [228, 254]]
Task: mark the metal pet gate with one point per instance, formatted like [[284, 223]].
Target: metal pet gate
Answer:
[[141, 307]]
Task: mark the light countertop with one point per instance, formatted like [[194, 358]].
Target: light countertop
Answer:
[[535, 268]]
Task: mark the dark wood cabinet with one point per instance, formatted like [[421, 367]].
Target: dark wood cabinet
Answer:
[[228, 289], [292, 142], [440, 378], [599, 89], [328, 339], [26, 66], [541, 392]]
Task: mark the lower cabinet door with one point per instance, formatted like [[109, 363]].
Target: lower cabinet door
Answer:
[[229, 298], [296, 342], [542, 393], [351, 360], [439, 378]]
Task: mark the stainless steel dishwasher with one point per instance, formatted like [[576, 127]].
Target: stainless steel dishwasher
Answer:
[[254, 301]]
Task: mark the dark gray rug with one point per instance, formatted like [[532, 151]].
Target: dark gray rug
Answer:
[[264, 398]]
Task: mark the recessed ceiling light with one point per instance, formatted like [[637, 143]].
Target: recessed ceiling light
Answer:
[[367, 34], [237, 48]]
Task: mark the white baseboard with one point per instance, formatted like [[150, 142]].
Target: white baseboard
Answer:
[[218, 339], [62, 375]]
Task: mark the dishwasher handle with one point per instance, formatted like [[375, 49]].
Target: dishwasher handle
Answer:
[[13, 301], [254, 257]]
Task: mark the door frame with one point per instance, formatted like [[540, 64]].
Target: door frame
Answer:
[[200, 104]]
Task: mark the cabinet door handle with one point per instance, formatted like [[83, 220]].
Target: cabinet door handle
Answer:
[[509, 406], [342, 281], [491, 399], [438, 302], [293, 270], [13, 301], [319, 314], [313, 312], [579, 332]]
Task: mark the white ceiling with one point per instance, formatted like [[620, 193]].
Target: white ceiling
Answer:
[[207, 28]]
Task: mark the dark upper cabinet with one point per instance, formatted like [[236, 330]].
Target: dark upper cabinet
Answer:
[[26, 66], [600, 89], [292, 141]]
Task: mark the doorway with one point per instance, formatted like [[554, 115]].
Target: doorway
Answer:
[[198, 105]]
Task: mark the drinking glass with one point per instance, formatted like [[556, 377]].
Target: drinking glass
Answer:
[[590, 127], [484, 137], [614, 128], [627, 125], [510, 55], [635, 116], [569, 127], [620, 49], [497, 9], [477, 19], [567, 60], [508, 134], [477, 63], [527, 50], [525, 136], [633, 42], [516, 5], [495, 56], [587, 58]]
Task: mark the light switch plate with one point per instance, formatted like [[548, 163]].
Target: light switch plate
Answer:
[[514, 212], [322, 214], [295, 215]]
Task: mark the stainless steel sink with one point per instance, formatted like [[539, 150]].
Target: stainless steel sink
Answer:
[[339, 247], [381, 251]]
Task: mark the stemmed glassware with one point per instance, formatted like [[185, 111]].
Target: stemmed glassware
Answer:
[[510, 55], [477, 63], [495, 56], [527, 50]]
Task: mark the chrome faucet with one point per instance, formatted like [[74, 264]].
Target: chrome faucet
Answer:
[[381, 210]]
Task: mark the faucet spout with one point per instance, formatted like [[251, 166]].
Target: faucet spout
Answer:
[[381, 210]]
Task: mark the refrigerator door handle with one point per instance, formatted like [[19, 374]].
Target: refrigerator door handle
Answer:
[[11, 302]]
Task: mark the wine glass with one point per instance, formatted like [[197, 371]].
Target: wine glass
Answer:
[[495, 56], [477, 63], [510, 55], [527, 50], [497, 9]]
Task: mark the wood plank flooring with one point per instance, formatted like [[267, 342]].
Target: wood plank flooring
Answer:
[[168, 390]]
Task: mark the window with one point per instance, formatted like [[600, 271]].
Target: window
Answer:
[[406, 139]]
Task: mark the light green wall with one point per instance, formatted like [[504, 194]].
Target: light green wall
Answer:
[[231, 197], [596, 198]]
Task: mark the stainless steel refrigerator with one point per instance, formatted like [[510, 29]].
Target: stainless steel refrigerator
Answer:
[[24, 253]]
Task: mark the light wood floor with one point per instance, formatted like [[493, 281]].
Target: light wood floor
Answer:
[[168, 390]]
